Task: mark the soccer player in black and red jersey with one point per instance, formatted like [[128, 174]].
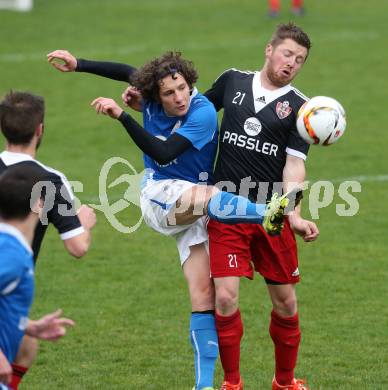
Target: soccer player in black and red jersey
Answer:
[[259, 144]]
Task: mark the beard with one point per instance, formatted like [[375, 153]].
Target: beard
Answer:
[[276, 79]]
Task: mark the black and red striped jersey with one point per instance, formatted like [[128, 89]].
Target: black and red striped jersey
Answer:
[[257, 132]]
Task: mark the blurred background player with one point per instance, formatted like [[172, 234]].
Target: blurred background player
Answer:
[[22, 124], [274, 7], [267, 99], [19, 207], [179, 140]]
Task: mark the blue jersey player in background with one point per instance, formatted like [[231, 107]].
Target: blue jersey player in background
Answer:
[[17, 226], [179, 141]]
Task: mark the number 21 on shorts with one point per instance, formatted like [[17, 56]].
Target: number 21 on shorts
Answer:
[[232, 260]]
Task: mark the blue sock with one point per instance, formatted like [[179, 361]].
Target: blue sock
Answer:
[[231, 209], [203, 337]]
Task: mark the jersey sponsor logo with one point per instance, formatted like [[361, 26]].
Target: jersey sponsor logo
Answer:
[[242, 141], [252, 126], [283, 109]]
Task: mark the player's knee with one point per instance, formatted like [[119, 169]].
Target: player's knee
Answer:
[[202, 296], [286, 307], [209, 293], [226, 301], [202, 302]]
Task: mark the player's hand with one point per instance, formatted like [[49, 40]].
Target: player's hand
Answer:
[[132, 98], [107, 106], [62, 60], [5, 369], [87, 216], [51, 327], [306, 229]]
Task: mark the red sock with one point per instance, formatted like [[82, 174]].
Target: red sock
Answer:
[[17, 376], [297, 4], [274, 5], [285, 334], [230, 331]]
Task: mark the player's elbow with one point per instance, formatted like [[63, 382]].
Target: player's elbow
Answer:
[[79, 251], [163, 161], [164, 158], [78, 246]]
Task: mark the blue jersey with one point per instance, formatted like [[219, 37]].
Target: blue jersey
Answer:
[[16, 288], [199, 126]]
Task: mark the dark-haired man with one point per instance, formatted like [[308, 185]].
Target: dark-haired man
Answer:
[[22, 124], [258, 139], [19, 207]]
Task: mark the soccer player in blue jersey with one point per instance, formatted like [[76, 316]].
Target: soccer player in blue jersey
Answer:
[[179, 141], [17, 225]]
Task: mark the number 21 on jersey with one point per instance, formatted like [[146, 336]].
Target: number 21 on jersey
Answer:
[[238, 99]]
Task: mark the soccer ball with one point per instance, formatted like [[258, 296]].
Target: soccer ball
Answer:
[[321, 121]]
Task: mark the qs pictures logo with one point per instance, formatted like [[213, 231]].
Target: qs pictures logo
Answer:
[[130, 196]]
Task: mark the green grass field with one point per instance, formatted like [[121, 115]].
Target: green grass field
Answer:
[[128, 296]]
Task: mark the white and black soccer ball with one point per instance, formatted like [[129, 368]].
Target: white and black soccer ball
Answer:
[[321, 121]]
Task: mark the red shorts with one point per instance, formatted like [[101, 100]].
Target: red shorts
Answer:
[[238, 250]]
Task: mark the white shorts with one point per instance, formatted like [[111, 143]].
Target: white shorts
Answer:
[[156, 200]]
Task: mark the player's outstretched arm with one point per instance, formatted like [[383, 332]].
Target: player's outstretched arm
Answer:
[[78, 246], [161, 151], [50, 327], [5, 369], [64, 61]]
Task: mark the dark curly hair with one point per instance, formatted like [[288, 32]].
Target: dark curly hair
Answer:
[[147, 78]]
